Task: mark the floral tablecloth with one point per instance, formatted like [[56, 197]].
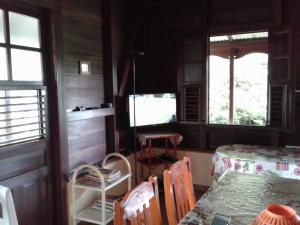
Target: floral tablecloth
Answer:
[[242, 196], [256, 160]]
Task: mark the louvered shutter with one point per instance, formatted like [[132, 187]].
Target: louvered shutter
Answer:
[[192, 103], [280, 90]]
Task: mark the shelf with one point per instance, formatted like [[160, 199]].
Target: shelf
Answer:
[[97, 186], [89, 114], [92, 215]]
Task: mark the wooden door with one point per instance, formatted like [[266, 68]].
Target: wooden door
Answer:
[[24, 112]]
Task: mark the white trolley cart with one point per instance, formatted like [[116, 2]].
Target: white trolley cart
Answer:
[[90, 214]]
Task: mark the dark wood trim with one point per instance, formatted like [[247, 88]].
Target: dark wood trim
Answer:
[[204, 18], [110, 75], [231, 85], [291, 104], [275, 138], [7, 39], [26, 4], [204, 79], [20, 7], [57, 120], [243, 47], [180, 93], [278, 12], [232, 126], [22, 84], [203, 137], [125, 62], [8, 45], [125, 75], [233, 29]]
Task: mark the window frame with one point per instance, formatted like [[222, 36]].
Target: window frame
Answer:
[[232, 56], [200, 84], [11, 7], [38, 86]]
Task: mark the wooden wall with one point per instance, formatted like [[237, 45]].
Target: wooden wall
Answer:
[[239, 12], [177, 21], [38, 175], [82, 41]]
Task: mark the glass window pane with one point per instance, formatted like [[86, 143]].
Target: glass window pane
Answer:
[[192, 72], [218, 90], [250, 35], [3, 64], [218, 38], [26, 65], [15, 138], [2, 34], [24, 30], [250, 89]]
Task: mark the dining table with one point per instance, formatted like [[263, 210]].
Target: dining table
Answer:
[[284, 162], [242, 196]]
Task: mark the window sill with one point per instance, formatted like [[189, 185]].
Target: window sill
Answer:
[[191, 123], [266, 128], [237, 126]]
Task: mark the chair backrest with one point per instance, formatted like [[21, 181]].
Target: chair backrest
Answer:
[[8, 216], [139, 206], [179, 191]]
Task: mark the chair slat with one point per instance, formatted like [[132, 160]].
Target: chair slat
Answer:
[[139, 206], [147, 216], [179, 191], [139, 218], [169, 199], [133, 220]]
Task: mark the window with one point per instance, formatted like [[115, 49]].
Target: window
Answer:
[[191, 79], [22, 90], [238, 79]]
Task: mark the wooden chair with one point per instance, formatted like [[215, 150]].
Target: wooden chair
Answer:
[[179, 191], [139, 206]]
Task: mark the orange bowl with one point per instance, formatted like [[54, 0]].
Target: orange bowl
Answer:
[[277, 215]]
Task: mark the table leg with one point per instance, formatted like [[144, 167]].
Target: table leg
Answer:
[[166, 146], [142, 160], [175, 147], [149, 156]]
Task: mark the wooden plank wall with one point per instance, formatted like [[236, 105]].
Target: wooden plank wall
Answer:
[[292, 18], [82, 41], [37, 175], [239, 12]]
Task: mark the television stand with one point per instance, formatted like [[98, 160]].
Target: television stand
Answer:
[[150, 161]]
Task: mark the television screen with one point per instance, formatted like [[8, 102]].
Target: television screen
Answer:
[[152, 109]]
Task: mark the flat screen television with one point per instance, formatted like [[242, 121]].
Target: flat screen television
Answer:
[[151, 109]]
